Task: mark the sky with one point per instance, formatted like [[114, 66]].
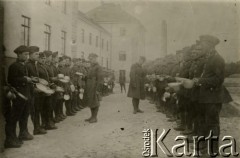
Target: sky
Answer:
[[186, 21]]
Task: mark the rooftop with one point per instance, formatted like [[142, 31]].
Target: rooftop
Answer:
[[111, 13]]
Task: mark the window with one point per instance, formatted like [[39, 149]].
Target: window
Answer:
[[64, 6], [26, 31], [47, 37], [63, 39], [83, 32], [96, 41], [122, 56], [102, 43], [122, 31], [90, 38], [48, 2], [107, 45]]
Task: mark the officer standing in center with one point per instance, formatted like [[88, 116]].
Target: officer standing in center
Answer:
[[136, 86]]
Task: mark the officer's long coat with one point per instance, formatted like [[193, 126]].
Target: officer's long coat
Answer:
[[137, 78], [93, 82]]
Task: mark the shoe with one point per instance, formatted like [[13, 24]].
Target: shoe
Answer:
[[140, 111], [93, 120], [51, 127], [19, 141], [56, 120], [39, 131], [25, 136], [62, 116], [11, 144], [86, 120], [70, 114], [135, 111]]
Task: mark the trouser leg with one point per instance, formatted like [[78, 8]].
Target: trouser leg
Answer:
[[18, 108], [213, 123], [23, 121]]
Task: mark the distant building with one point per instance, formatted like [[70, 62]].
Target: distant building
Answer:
[[53, 25], [128, 35], [93, 38]]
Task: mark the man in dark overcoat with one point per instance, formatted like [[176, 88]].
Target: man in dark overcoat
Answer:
[[93, 82], [136, 86], [211, 88]]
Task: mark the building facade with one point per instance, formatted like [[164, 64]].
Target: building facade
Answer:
[[52, 25], [128, 36], [92, 38]]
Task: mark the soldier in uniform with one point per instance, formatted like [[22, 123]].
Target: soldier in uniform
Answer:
[[183, 94], [122, 80], [75, 78], [93, 81], [211, 88], [36, 96], [57, 96], [136, 86], [45, 59], [18, 78]]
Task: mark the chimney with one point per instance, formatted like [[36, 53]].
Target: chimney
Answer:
[[164, 38]]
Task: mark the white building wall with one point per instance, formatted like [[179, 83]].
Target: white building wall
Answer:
[[40, 14]]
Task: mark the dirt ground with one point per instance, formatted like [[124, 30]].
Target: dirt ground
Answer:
[[118, 133]]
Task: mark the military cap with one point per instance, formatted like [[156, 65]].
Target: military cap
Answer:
[[42, 54], [33, 49], [210, 39], [21, 49], [54, 54], [47, 53], [92, 55]]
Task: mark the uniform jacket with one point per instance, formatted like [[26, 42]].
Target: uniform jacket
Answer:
[[16, 73], [137, 78], [211, 80]]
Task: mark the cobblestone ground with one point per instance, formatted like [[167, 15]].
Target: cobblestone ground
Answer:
[[118, 133]]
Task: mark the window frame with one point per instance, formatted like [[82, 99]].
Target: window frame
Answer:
[[47, 34], [26, 26]]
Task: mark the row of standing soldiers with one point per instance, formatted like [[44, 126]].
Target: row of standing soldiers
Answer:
[[39, 84], [196, 109]]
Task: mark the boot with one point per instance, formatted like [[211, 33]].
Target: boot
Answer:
[[39, 131], [25, 136], [86, 120], [94, 118], [134, 106], [10, 143], [138, 110]]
